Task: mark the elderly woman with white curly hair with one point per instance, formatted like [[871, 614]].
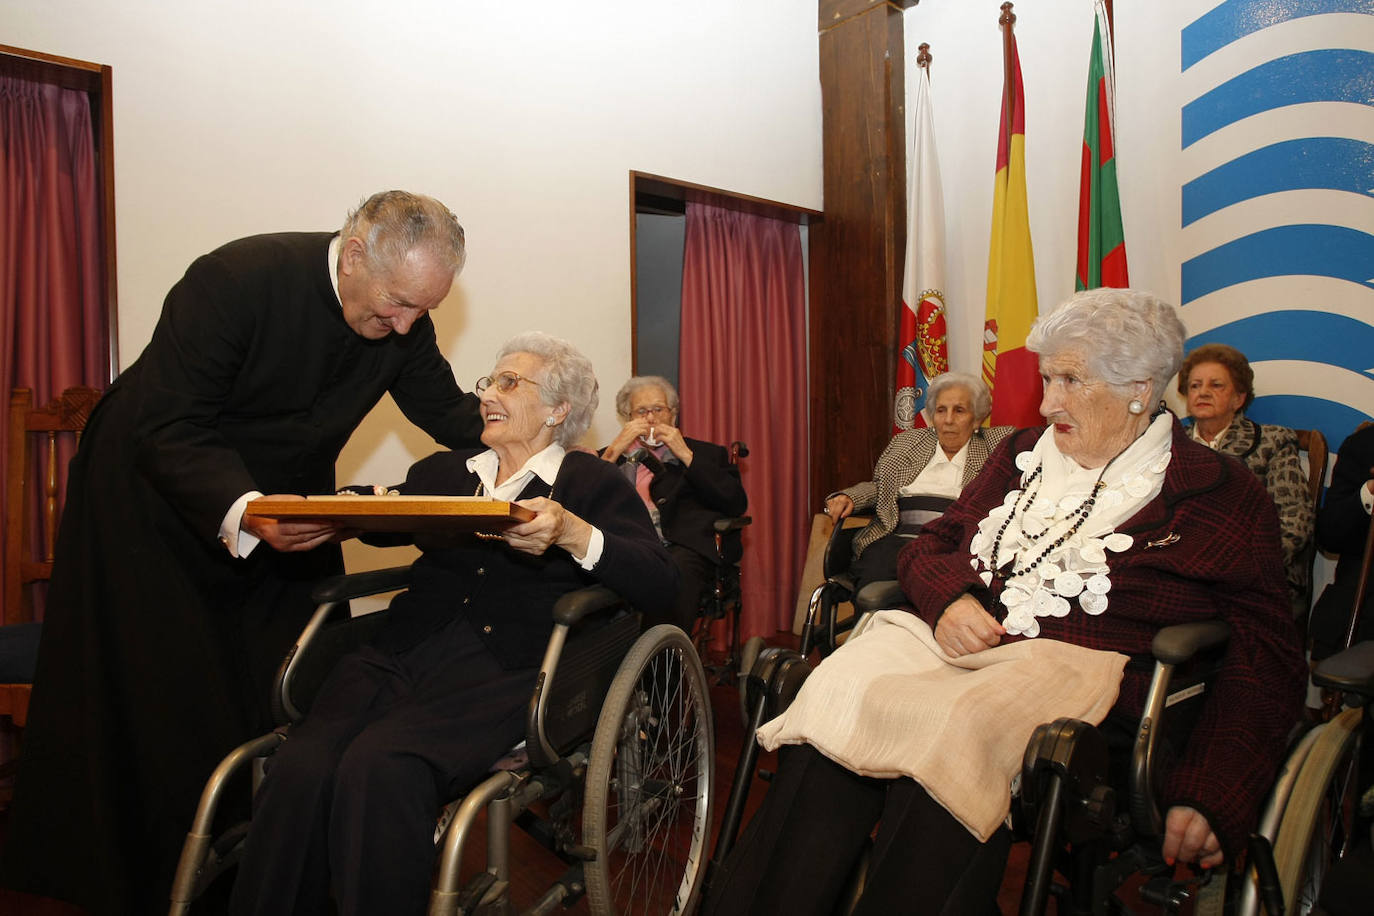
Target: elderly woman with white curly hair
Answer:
[[1052, 571], [919, 474], [419, 715]]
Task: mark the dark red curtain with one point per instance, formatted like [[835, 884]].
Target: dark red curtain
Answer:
[[52, 327], [743, 376]]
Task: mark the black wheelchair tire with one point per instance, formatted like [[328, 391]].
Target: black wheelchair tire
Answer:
[[650, 780]]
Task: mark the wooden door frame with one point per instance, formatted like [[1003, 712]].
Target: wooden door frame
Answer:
[[96, 81]]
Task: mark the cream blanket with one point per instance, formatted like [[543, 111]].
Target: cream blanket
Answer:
[[891, 703]]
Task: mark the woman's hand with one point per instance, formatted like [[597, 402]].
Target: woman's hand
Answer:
[[965, 628], [839, 507], [625, 440], [671, 436], [1189, 838], [290, 536], [552, 526]]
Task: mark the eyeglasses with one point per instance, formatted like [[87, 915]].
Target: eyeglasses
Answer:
[[505, 382], [655, 411]]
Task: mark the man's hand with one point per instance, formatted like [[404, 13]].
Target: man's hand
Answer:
[[965, 628], [839, 507], [291, 535], [1189, 838]]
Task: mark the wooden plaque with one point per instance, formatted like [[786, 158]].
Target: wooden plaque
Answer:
[[396, 513]]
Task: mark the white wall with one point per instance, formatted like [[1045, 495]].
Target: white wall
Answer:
[[1303, 378], [966, 89], [525, 118]]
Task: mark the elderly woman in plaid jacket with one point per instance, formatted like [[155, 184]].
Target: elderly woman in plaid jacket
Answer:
[[919, 474], [1070, 551]]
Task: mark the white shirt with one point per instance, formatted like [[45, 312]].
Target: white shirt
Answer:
[[942, 475], [544, 465]]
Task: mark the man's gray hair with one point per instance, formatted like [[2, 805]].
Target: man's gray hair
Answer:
[[637, 384], [393, 223], [1124, 336], [977, 389], [568, 378]]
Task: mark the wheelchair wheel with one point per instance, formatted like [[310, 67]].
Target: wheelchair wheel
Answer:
[[649, 781], [1319, 821]]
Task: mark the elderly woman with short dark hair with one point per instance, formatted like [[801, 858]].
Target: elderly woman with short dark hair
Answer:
[[1054, 568], [1219, 386], [419, 715], [919, 474]]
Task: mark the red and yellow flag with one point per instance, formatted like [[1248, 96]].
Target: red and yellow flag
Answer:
[[1101, 238], [1010, 370]]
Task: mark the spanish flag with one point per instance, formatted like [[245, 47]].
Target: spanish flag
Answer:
[[1010, 370], [1101, 238]]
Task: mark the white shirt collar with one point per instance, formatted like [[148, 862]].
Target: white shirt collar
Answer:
[[959, 457], [333, 267], [544, 465]]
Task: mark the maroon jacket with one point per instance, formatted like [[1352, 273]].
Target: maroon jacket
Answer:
[[1224, 563]]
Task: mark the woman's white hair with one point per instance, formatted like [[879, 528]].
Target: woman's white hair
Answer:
[[638, 383], [1124, 336], [977, 389], [568, 378]]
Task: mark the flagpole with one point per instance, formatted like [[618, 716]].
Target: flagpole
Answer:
[[1007, 21]]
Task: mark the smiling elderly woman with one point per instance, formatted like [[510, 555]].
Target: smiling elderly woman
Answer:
[[349, 801], [1056, 566], [919, 474]]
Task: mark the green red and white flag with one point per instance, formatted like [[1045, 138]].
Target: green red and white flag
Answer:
[[924, 349], [1010, 370], [1101, 238]]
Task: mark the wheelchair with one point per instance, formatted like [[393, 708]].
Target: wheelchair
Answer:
[[1099, 829], [822, 629], [723, 598], [614, 776]]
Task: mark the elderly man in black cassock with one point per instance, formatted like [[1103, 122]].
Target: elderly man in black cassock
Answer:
[[170, 609]]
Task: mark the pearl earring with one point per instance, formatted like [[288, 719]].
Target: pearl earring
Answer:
[[550, 421], [1136, 406]]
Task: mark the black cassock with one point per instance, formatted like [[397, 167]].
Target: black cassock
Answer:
[[158, 646]]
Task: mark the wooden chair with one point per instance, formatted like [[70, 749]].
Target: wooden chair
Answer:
[[33, 432], [1313, 443]]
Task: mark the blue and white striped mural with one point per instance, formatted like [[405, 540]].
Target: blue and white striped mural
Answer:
[[1277, 209]]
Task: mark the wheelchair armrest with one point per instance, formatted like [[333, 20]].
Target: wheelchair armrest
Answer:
[[574, 606], [726, 525], [877, 596], [1179, 643], [1350, 671], [360, 584]]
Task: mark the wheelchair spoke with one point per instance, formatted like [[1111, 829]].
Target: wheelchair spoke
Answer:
[[650, 824]]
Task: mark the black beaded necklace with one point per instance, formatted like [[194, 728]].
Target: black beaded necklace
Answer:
[[1079, 517]]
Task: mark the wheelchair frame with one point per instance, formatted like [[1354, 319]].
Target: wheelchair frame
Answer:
[[642, 766]]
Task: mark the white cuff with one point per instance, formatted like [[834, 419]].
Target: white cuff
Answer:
[[596, 543], [238, 542], [1367, 499]]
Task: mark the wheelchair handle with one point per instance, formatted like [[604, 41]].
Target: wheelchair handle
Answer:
[[574, 606], [360, 584], [1179, 643]]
